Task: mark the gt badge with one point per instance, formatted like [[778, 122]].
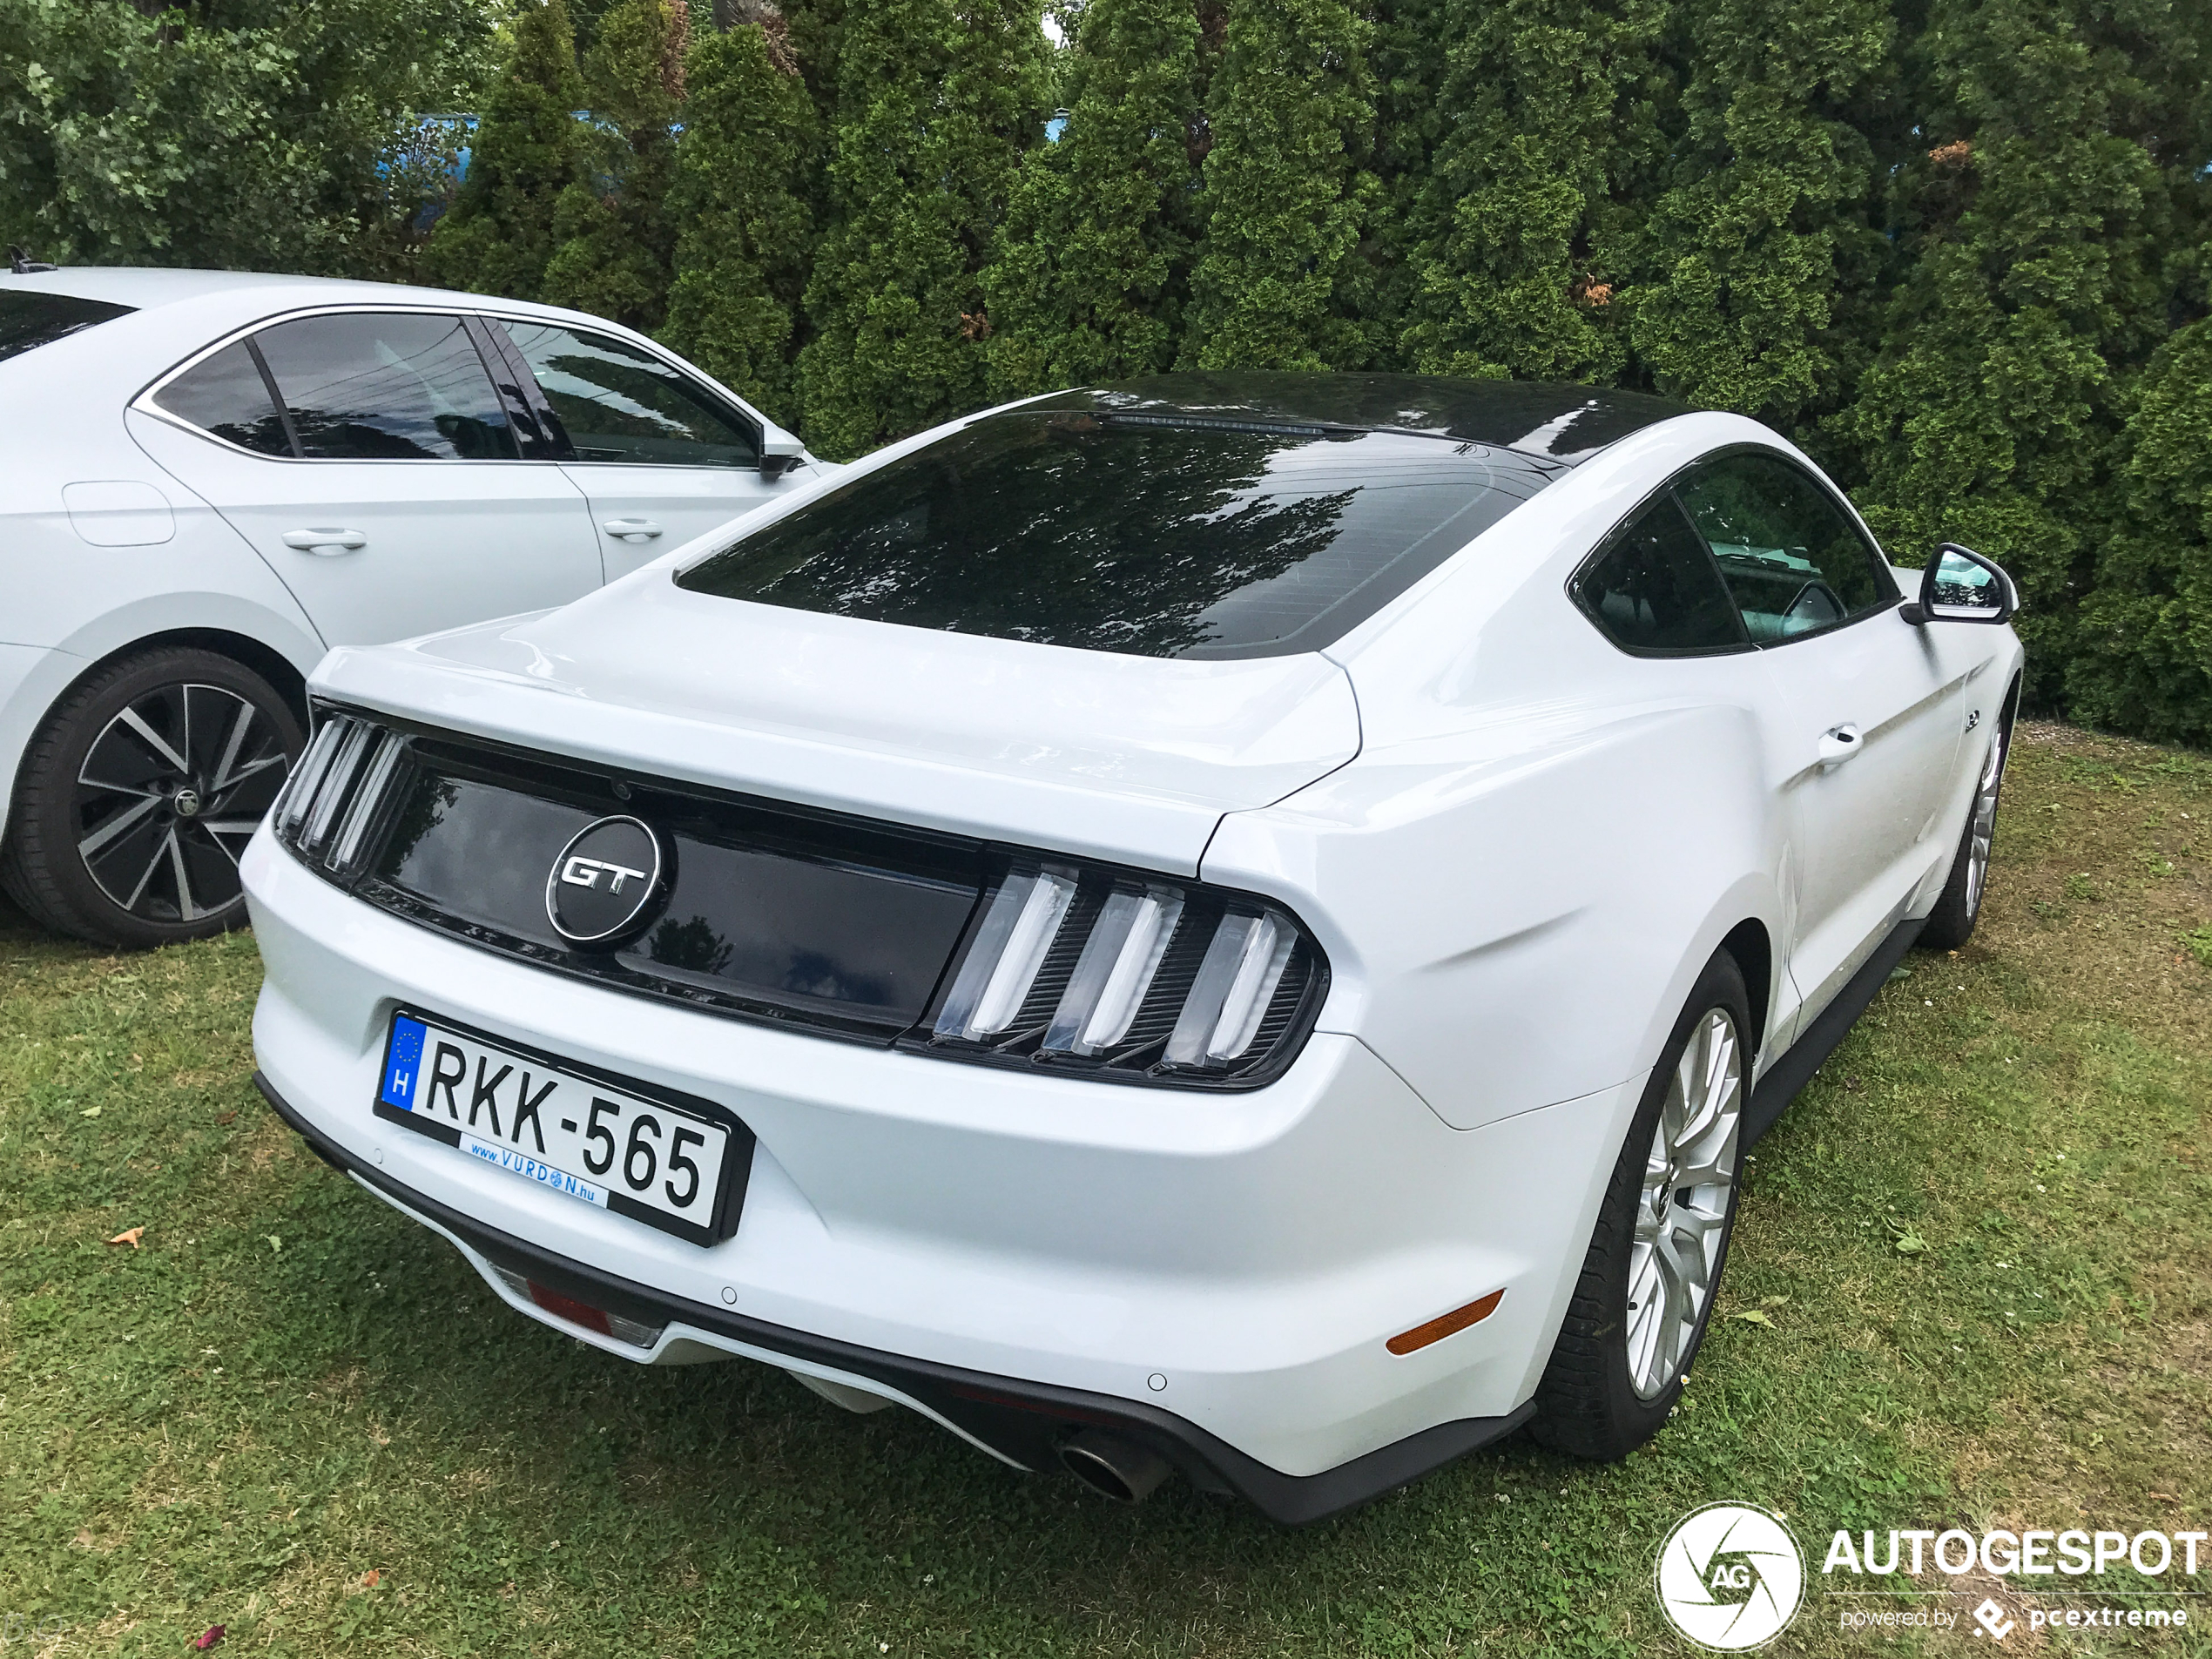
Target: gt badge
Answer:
[[606, 883]]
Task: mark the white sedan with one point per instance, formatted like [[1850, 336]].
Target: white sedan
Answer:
[[210, 479], [1240, 925]]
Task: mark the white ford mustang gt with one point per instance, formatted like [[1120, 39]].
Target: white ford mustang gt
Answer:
[[1240, 925]]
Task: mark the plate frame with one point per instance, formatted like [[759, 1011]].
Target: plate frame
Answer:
[[737, 1154]]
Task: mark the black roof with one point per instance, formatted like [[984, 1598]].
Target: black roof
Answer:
[[1564, 424]]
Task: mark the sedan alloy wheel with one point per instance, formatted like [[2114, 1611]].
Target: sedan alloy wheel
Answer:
[[139, 796], [168, 796]]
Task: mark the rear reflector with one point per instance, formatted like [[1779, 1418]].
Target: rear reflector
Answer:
[[567, 1307], [1443, 1325], [581, 1314]]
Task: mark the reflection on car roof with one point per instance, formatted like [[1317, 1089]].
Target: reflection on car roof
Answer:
[[1565, 424]]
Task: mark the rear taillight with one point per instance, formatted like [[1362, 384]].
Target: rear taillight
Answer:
[[1092, 970], [325, 812], [1131, 976]]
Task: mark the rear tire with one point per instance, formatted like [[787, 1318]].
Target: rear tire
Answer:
[[1653, 1269], [1950, 924], [140, 793]]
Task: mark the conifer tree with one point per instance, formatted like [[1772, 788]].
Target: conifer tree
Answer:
[[1990, 416], [1090, 277], [1766, 206], [615, 239], [526, 150], [744, 169], [935, 100], [1515, 264], [2142, 653], [585, 15], [1277, 282], [1408, 60], [813, 28]]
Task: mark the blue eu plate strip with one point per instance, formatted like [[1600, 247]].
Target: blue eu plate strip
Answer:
[[403, 1063]]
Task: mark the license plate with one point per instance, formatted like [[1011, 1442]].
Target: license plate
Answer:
[[615, 1145]]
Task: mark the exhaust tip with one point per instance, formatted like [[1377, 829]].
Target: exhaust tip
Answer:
[[1121, 1469]]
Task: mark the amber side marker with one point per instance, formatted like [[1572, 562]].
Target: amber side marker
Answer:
[[1445, 1325]]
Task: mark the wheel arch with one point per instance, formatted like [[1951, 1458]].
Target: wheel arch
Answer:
[[64, 670], [264, 660], [1752, 947]]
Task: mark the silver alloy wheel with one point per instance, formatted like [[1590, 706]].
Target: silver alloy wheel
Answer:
[[1682, 1211], [1983, 829], [169, 794]]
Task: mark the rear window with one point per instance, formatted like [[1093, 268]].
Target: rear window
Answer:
[[1152, 535], [228, 394], [29, 320]]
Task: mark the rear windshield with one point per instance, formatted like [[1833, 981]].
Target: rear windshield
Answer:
[[1152, 535], [29, 320]]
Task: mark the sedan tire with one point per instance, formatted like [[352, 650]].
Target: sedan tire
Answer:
[[1649, 1282], [140, 793]]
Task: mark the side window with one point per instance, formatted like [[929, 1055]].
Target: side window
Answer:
[[1651, 588], [1792, 558], [227, 396], [386, 386], [619, 403]]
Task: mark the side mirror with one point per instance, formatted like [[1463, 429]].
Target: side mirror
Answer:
[[1960, 585], [779, 454]]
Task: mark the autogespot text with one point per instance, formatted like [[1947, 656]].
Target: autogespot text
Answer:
[[2073, 1553]]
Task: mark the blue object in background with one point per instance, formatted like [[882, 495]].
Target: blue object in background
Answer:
[[431, 135]]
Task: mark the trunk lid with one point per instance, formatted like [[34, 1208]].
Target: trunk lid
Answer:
[[1129, 759]]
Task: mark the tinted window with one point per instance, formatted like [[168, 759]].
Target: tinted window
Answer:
[[1652, 587], [619, 403], [1791, 557], [226, 395], [1154, 535], [29, 320], [386, 386]]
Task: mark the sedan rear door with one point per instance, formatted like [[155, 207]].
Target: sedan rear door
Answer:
[[369, 459]]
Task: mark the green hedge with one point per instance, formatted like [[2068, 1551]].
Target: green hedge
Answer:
[[1958, 249]]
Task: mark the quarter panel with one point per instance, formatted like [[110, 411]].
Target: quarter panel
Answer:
[[1543, 838], [1515, 927], [65, 592], [69, 603]]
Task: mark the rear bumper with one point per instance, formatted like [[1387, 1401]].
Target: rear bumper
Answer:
[[1220, 1272], [1020, 1422]]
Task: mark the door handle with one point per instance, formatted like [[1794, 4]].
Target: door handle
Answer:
[[632, 529], [1840, 743], [329, 544]]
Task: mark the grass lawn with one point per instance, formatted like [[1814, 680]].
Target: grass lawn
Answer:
[[1978, 1248]]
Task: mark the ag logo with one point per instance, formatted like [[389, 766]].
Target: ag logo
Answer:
[[605, 883], [1729, 1576]]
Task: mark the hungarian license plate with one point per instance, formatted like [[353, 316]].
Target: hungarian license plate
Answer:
[[678, 1164]]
